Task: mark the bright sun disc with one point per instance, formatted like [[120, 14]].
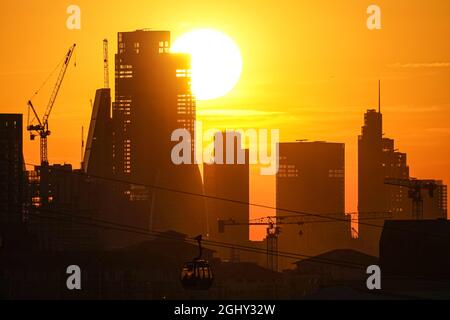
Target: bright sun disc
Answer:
[[216, 62]]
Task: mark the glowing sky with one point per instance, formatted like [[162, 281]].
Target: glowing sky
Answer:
[[310, 70]]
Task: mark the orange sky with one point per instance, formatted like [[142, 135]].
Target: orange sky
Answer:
[[310, 70]]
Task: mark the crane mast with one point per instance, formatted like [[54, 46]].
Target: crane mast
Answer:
[[274, 223], [415, 188], [105, 63], [42, 128]]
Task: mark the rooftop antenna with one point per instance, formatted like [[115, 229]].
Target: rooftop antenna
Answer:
[[379, 96]]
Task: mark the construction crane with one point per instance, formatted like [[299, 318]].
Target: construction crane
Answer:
[[273, 229], [415, 187], [105, 63], [42, 129]]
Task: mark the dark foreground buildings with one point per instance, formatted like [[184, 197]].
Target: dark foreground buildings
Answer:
[[416, 248], [60, 203], [311, 179]]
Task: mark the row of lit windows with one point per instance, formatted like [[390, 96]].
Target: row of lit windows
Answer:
[[398, 165], [284, 170], [183, 73], [14, 124], [164, 46], [125, 66], [289, 166], [122, 45], [336, 173], [288, 175], [124, 74]]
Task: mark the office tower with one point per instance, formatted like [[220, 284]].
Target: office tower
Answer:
[[228, 181], [152, 99], [377, 160], [371, 188], [11, 168], [98, 154], [311, 179]]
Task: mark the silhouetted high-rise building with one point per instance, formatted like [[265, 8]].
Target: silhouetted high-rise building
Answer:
[[152, 99], [370, 169], [378, 159], [311, 179], [229, 181], [98, 154], [11, 168], [13, 233]]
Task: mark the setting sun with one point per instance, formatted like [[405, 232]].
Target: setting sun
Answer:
[[216, 62]]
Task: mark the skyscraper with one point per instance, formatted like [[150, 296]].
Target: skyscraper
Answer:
[[98, 154], [229, 181], [153, 98], [14, 236], [378, 159], [11, 168], [371, 195], [311, 179]]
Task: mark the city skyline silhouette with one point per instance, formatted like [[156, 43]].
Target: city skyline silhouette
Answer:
[[414, 82], [360, 142]]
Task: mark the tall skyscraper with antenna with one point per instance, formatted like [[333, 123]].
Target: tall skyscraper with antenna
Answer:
[[378, 159]]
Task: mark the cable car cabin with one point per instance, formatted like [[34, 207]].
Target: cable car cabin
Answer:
[[197, 275]]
